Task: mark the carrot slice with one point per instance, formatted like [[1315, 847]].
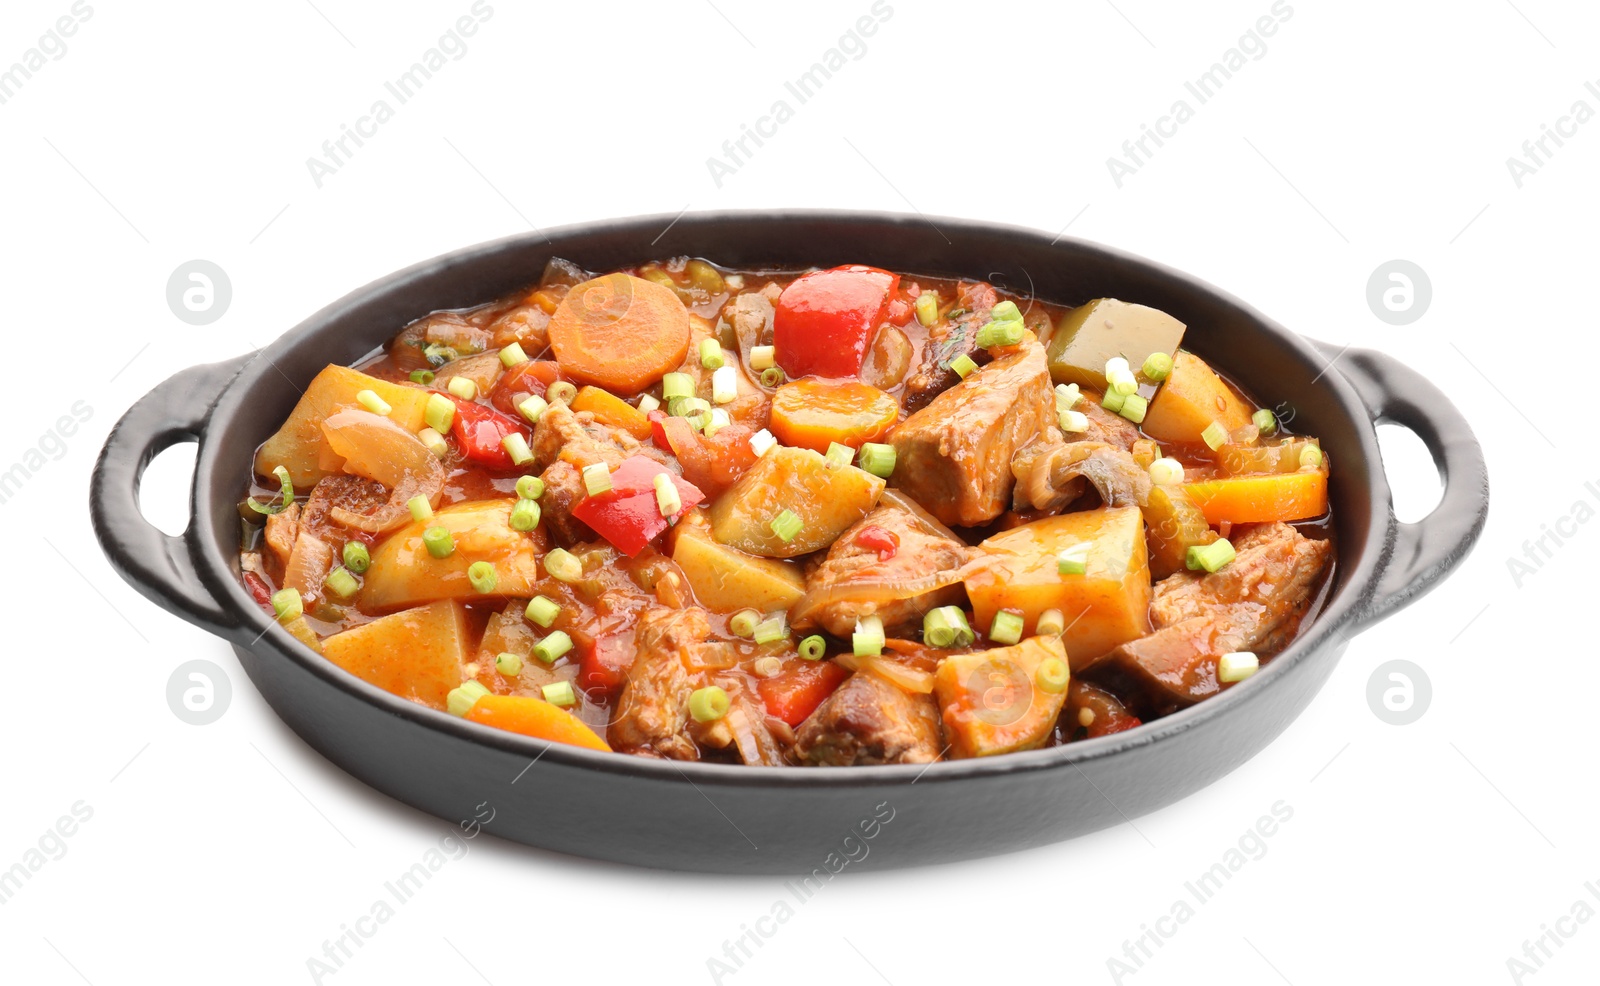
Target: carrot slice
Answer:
[[1252, 499], [619, 332], [535, 717], [815, 413], [612, 410]]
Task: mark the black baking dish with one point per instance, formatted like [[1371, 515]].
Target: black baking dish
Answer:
[[714, 817]]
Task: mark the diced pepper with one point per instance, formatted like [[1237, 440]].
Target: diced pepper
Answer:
[[825, 320], [795, 693], [479, 431], [627, 515], [613, 410], [604, 664]]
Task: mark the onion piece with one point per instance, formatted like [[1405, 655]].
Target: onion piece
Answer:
[[870, 589], [929, 522], [905, 678], [309, 563], [380, 450]]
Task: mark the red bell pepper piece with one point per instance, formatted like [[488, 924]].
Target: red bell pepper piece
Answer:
[[479, 429], [795, 693], [604, 665], [627, 515], [874, 538], [826, 319]]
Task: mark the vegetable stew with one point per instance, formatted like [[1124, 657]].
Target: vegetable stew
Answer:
[[827, 517]]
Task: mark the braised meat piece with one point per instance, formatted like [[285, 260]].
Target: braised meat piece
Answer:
[[949, 338], [653, 710], [1105, 426], [576, 437], [890, 545], [954, 456], [1254, 603], [867, 720]]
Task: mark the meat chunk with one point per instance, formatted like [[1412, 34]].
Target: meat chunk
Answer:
[[653, 709], [1051, 476], [1255, 603], [347, 495], [1104, 426], [949, 338], [954, 456], [856, 558], [577, 438], [563, 488], [867, 720]]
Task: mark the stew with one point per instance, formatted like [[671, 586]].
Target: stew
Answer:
[[831, 517]]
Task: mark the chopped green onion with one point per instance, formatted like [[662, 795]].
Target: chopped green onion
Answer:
[[878, 459], [1133, 408], [1116, 366], [597, 478], [1212, 557], [839, 455], [438, 354], [1214, 435], [716, 420], [1265, 421], [772, 376], [561, 391], [435, 442], [463, 697], [709, 704], [462, 387], [648, 403], [1156, 367], [1067, 396], [927, 308], [284, 499], [482, 575], [677, 385], [868, 639], [963, 366], [356, 558], [683, 407], [542, 610], [743, 623], [762, 442], [947, 624], [1053, 675], [724, 384], [371, 401], [786, 525], [553, 646], [813, 647], [1073, 561], [341, 583], [420, 508], [763, 357], [533, 407], [525, 515], [1112, 401], [563, 565], [1075, 422], [768, 667], [1007, 627], [517, 447], [508, 664], [771, 630], [711, 353], [1051, 624], [530, 487], [438, 542], [439, 413], [423, 377], [1310, 457], [1237, 666], [1006, 311], [668, 502], [560, 693], [1166, 471], [288, 604], [512, 355], [1000, 332]]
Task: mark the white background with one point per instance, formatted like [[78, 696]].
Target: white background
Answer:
[[1368, 131]]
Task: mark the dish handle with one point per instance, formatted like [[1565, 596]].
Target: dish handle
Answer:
[[1425, 551], [159, 565]]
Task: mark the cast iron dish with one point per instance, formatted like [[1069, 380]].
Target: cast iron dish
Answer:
[[714, 817]]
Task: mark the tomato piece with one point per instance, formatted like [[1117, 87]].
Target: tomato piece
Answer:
[[604, 665], [516, 384], [259, 590], [793, 694], [875, 538], [627, 515], [825, 320], [479, 430]]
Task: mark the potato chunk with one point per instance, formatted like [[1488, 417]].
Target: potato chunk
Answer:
[[826, 499], [1192, 397], [419, 654], [403, 573], [726, 579], [300, 447], [992, 701], [1093, 333], [1105, 606]]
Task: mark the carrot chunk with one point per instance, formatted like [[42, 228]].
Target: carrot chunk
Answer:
[[619, 332]]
